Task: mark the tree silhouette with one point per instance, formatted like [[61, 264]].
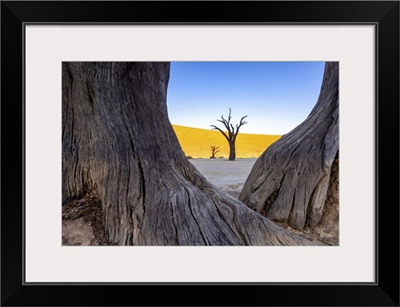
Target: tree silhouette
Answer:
[[232, 133], [214, 150]]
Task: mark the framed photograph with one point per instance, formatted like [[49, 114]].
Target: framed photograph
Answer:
[[102, 201]]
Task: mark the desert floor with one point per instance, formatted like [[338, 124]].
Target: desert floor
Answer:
[[230, 176]]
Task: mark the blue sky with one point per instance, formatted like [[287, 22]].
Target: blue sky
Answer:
[[275, 96]]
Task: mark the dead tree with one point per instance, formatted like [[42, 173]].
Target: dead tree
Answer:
[[114, 150], [231, 134], [294, 177], [214, 151]]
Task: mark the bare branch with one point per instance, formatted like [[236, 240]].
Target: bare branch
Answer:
[[226, 123], [233, 130], [223, 121], [241, 123], [216, 128]]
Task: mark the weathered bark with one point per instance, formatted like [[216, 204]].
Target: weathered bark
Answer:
[[119, 146], [290, 180]]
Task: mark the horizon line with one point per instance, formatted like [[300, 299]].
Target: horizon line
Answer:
[[211, 130]]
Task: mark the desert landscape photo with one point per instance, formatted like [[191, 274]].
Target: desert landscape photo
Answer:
[[200, 154]]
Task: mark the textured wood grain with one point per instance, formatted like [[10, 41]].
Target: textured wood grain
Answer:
[[290, 180], [119, 146]]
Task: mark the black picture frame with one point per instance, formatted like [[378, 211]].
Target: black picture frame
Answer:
[[383, 14]]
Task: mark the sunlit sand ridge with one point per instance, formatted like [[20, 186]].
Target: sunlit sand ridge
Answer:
[[197, 143]]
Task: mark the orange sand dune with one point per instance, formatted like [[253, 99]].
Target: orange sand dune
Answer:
[[197, 143]]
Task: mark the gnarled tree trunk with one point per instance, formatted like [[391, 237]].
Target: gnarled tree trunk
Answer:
[[289, 183], [119, 147]]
